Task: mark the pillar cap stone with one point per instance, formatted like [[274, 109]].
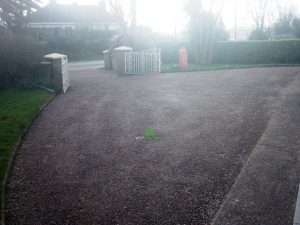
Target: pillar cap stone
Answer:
[[55, 56], [123, 48]]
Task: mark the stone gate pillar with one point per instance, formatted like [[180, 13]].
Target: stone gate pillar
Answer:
[[59, 71], [118, 59]]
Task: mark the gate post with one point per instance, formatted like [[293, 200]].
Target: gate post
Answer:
[[118, 59], [107, 60], [59, 71]]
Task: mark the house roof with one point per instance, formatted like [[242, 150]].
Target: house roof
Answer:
[[73, 13]]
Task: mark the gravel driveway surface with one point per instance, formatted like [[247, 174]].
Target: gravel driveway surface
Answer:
[[81, 162]]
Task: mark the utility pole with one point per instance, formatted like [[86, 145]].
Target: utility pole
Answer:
[[133, 14], [175, 26], [235, 20], [133, 22]]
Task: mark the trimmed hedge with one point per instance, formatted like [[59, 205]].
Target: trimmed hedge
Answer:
[[258, 52]]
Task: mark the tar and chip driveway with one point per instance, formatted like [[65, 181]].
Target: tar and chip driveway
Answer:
[[82, 163]]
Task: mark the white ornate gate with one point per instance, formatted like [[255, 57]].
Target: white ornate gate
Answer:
[[143, 62]]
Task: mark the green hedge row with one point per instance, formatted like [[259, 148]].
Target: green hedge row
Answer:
[[258, 52]]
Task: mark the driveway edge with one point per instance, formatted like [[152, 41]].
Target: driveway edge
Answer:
[[265, 191], [13, 156]]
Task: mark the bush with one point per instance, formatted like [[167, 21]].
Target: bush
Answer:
[[140, 39], [92, 35], [87, 46], [77, 49], [296, 27], [170, 49], [18, 57], [258, 52], [258, 35]]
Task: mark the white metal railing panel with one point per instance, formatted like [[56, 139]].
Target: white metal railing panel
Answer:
[[143, 62]]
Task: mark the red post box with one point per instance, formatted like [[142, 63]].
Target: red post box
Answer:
[[183, 58]]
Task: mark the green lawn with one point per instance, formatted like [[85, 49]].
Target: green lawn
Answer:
[[170, 68], [17, 109]]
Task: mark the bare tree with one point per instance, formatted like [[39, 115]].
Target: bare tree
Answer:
[[13, 12], [260, 11], [193, 9], [133, 14], [205, 28], [216, 10], [116, 8], [282, 27]]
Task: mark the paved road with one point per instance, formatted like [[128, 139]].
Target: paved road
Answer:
[[96, 64], [81, 162]]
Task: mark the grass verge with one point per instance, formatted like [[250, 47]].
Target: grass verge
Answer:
[[17, 109], [171, 68]]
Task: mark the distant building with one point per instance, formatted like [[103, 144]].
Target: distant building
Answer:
[[55, 20]]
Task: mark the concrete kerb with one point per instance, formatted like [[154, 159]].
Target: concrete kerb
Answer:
[[297, 211]]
